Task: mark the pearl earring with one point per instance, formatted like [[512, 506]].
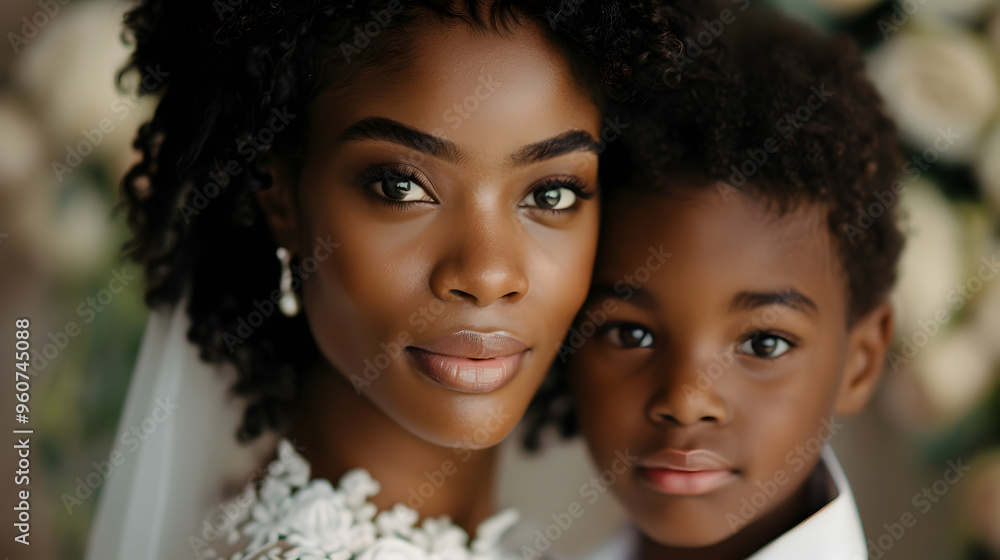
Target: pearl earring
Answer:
[[289, 302]]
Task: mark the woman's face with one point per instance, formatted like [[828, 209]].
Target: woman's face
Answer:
[[458, 179]]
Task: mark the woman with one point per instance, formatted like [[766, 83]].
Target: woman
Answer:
[[414, 186]]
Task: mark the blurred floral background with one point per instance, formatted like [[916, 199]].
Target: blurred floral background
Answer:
[[66, 129]]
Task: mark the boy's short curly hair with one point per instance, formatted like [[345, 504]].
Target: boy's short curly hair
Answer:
[[223, 70], [789, 116]]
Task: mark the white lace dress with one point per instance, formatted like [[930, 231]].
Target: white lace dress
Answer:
[[291, 517]]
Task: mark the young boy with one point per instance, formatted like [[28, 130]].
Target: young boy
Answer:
[[722, 369]]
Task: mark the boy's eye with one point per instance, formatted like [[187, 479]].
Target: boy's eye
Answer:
[[764, 345], [551, 198], [400, 188], [631, 336]]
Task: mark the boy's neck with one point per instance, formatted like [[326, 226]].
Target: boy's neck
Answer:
[[338, 430], [794, 510]]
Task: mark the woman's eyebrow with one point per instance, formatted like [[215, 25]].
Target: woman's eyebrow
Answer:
[[567, 142], [388, 130]]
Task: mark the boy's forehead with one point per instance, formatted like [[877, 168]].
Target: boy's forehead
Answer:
[[715, 234]]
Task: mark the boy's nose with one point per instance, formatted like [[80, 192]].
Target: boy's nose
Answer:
[[686, 396]]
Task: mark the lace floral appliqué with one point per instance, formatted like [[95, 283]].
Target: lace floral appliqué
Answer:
[[294, 518]]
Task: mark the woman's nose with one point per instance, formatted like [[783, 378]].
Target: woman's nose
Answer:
[[483, 262]]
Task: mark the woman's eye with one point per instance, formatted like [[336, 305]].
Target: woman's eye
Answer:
[[400, 188], [631, 336], [765, 346], [551, 198]]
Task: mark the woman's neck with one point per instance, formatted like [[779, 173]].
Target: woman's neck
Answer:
[[336, 430]]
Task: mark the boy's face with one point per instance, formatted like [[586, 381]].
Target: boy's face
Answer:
[[719, 366]]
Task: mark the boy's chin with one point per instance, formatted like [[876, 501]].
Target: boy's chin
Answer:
[[678, 531]]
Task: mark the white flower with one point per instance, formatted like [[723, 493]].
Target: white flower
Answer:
[[274, 491], [988, 167], [266, 517], [290, 466], [320, 522], [318, 517], [361, 536], [70, 68], [443, 536], [358, 486], [955, 373], [993, 31], [22, 145], [985, 317], [397, 521], [934, 82], [930, 265], [364, 512], [393, 548], [489, 532], [968, 10]]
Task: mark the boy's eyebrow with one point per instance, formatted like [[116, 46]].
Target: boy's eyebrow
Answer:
[[628, 292], [379, 128], [788, 297]]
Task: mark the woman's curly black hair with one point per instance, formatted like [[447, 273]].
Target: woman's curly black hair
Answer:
[[789, 116], [223, 70]]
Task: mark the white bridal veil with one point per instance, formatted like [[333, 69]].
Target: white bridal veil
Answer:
[[175, 453]]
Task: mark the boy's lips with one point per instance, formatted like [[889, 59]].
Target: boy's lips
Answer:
[[686, 473], [469, 361]]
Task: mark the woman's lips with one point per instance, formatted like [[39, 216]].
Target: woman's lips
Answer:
[[686, 473], [469, 361]]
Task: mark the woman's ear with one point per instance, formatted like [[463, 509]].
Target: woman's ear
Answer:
[[278, 203], [868, 342]]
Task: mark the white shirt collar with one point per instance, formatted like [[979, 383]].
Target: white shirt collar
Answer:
[[832, 533]]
